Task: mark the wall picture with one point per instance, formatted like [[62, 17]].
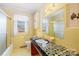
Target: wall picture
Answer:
[[21, 26], [73, 16]]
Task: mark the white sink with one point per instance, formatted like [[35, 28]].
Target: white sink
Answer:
[[42, 42], [44, 45]]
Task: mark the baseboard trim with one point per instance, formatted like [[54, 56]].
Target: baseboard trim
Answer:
[[8, 51]]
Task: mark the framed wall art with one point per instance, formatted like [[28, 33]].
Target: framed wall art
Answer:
[[21, 26]]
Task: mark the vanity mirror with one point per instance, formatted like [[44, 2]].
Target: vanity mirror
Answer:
[[56, 24]]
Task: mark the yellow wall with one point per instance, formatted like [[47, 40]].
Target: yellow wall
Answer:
[[37, 18], [9, 31], [31, 26]]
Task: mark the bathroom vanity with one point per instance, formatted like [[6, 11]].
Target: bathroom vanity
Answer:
[[45, 48]]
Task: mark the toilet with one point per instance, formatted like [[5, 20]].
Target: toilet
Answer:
[[28, 44]]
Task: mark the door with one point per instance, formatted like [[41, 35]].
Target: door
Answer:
[[3, 22]]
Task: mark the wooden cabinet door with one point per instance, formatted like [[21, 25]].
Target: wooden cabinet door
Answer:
[[33, 50]]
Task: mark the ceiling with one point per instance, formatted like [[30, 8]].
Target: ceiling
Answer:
[[21, 8]]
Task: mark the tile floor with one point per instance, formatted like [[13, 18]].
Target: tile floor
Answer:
[[21, 52]]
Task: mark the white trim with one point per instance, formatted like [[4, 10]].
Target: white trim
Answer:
[[8, 51]]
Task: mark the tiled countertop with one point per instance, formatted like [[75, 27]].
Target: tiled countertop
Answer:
[[57, 50], [53, 49]]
